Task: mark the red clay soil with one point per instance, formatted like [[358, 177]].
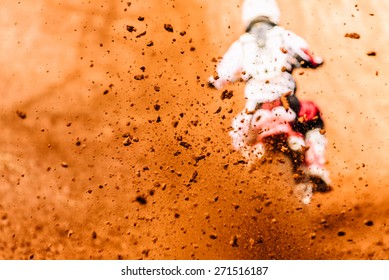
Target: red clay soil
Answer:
[[113, 147]]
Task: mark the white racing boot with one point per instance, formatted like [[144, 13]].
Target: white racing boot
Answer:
[[244, 139], [304, 192], [315, 160], [296, 143]]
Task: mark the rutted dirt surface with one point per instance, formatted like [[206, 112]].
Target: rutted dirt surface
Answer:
[[112, 147]]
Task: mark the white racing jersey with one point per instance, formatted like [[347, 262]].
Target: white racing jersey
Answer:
[[266, 68]]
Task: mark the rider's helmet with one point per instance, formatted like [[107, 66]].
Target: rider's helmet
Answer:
[[256, 9]]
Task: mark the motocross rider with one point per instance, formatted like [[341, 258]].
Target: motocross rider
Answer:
[[264, 56]]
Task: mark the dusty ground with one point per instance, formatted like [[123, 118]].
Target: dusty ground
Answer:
[[113, 148]]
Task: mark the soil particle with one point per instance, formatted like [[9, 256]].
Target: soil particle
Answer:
[[185, 144], [141, 200], [130, 28], [341, 233], [141, 34], [21, 114], [146, 252], [227, 94], [218, 110], [194, 176], [251, 242], [168, 27], [234, 241], [352, 35], [127, 141], [197, 159], [139, 77], [213, 236]]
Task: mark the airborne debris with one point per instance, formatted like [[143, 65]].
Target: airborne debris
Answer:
[[130, 28], [283, 50], [185, 144], [352, 35], [213, 236], [168, 27], [139, 77], [227, 94], [141, 34], [146, 252], [21, 114], [194, 176], [141, 200], [341, 233], [197, 159], [127, 141], [175, 124], [234, 241]]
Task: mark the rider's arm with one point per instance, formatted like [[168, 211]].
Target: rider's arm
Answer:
[[301, 51], [229, 68]]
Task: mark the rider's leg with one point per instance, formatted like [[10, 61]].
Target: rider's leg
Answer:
[[242, 133], [273, 122], [243, 139], [315, 159], [304, 192], [249, 129], [253, 153], [240, 130]]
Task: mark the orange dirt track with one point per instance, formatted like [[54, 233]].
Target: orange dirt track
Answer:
[[112, 147]]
